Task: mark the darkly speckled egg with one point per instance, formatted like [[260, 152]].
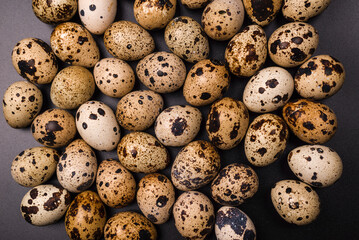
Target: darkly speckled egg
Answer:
[[262, 12], [52, 12], [301, 11]]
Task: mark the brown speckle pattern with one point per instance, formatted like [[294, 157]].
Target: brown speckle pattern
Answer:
[[53, 12], [301, 11], [262, 12]]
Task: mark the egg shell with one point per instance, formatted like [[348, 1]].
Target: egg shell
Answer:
[[234, 184], [34, 166], [316, 165], [232, 223], [97, 15], [292, 44], [45, 204], [155, 197], [301, 11], [162, 72], [268, 90], [34, 60], [114, 77], [186, 38], [193, 213], [21, 103], [54, 128], [265, 140], [207, 81], [222, 19], [262, 12], [54, 11], [194, 4], [178, 125], [227, 123], [311, 122], [74, 45], [97, 125], [296, 202], [129, 225], [72, 87], [115, 184], [247, 51], [85, 217], [138, 110], [320, 77]]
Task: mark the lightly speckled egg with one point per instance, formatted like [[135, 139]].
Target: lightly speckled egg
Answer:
[[85, 217], [268, 90], [97, 125], [155, 197], [247, 51], [21, 103], [115, 184], [54, 11], [298, 10], [222, 19], [178, 125], [138, 110], [193, 213], [34, 166], [265, 140], [292, 44], [320, 77], [34, 60], [186, 38], [316, 165], [45, 204], [73, 44], [162, 72], [194, 4], [227, 123], [114, 77], [262, 12], [295, 201], [97, 15], [196, 165], [311, 122], [207, 81]]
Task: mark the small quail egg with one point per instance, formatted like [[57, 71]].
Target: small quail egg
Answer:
[[194, 4], [298, 10], [262, 12], [53, 12]]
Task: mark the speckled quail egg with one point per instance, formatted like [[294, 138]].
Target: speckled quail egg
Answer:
[[207, 81], [316, 165], [178, 125], [186, 38], [295, 201], [45, 204], [54, 11], [227, 123], [21, 103], [262, 12], [311, 122], [298, 10], [247, 51], [155, 197], [194, 4], [115, 184]]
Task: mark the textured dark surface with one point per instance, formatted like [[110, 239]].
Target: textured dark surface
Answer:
[[338, 30]]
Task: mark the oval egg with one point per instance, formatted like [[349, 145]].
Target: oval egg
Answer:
[[262, 12], [194, 4], [53, 12], [301, 11]]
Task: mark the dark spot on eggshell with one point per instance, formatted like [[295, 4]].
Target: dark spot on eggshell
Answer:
[[205, 96], [152, 218], [178, 126], [308, 125], [298, 55], [75, 234], [234, 218], [214, 122], [34, 193], [262, 10], [297, 40], [27, 68], [53, 126], [53, 202], [162, 201], [85, 185], [29, 210], [294, 205], [81, 40], [272, 83]]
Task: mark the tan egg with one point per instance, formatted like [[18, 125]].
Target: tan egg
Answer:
[[186, 38], [301, 11], [141, 152], [295, 201], [86, 217], [194, 4], [21, 103], [222, 19], [316, 165], [247, 51], [227, 123], [292, 44], [262, 12], [320, 77], [128, 41], [311, 122], [155, 197], [265, 140], [207, 81], [74, 44], [162, 72], [54, 128], [138, 110], [193, 213], [178, 125], [115, 184], [54, 11], [72, 87], [34, 60], [114, 77]]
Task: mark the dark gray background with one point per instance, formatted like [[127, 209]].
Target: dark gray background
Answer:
[[338, 29]]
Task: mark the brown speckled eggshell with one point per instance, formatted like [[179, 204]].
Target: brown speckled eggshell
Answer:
[[301, 11], [194, 4], [52, 12], [262, 12]]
